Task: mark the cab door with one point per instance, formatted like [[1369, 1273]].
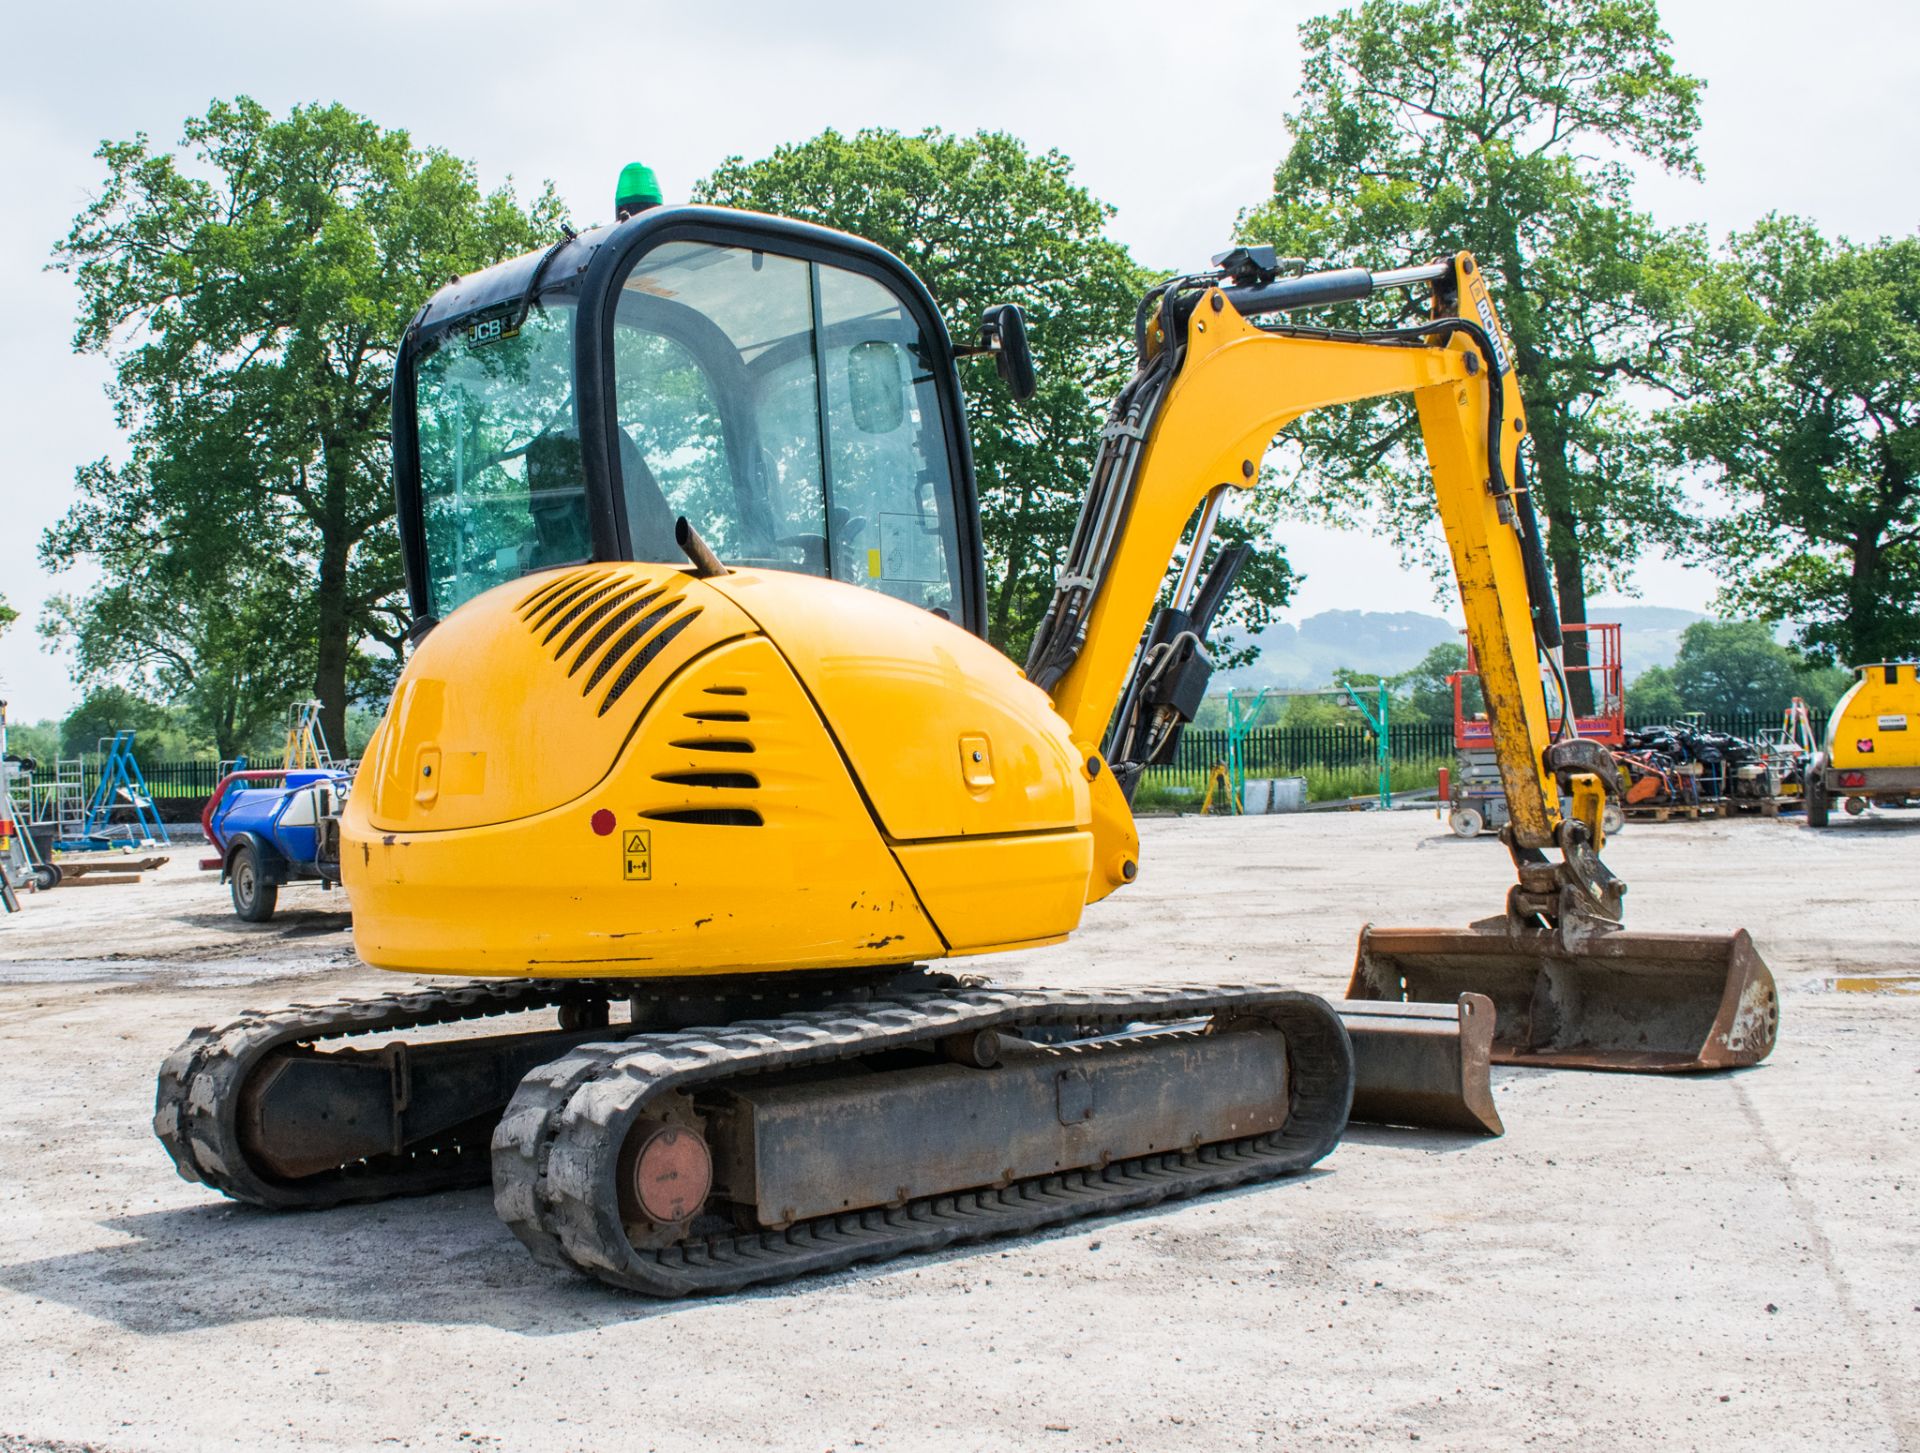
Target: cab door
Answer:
[[791, 392]]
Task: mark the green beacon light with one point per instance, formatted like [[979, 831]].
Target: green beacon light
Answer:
[[639, 189]]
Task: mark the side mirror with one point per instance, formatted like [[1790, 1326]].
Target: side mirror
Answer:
[[876, 387], [1003, 331]]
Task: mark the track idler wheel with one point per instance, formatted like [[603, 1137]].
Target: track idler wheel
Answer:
[[666, 1174]]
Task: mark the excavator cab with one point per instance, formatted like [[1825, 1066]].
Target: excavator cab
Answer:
[[787, 390]]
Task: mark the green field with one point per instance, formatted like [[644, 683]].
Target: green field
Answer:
[[1183, 791]]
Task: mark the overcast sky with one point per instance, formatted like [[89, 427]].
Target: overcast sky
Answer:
[[1171, 113]]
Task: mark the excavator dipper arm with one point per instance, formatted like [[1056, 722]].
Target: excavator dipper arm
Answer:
[[1223, 369], [1214, 389]]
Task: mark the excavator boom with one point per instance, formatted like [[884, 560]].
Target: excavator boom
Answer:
[[1225, 365]]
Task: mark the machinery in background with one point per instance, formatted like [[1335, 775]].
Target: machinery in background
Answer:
[[1791, 748], [24, 852], [1688, 768], [1479, 800], [23, 857], [1872, 751], [268, 836]]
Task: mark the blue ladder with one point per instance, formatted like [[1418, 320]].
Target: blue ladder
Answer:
[[120, 773]]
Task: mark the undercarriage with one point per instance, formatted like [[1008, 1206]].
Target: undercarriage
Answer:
[[807, 1127]]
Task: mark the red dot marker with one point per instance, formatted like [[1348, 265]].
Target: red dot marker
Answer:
[[603, 822]]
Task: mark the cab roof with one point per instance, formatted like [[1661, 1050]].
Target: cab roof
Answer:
[[506, 282]]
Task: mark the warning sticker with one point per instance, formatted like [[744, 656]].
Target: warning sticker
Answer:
[[637, 851]]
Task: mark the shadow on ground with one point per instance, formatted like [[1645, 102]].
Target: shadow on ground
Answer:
[[1400, 1137], [443, 1260]]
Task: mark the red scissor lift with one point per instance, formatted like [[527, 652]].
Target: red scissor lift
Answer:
[[1479, 803]]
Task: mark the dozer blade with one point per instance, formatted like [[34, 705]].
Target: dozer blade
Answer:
[[1648, 1002], [1423, 1064]]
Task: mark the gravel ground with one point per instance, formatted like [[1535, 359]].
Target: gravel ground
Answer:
[[1713, 1262]]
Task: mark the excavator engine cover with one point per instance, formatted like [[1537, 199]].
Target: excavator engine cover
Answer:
[[1651, 1002]]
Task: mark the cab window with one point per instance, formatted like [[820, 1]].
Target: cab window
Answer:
[[787, 408], [501, 488]]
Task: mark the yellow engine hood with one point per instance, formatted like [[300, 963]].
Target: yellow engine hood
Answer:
[[521, 700], [945, 735]]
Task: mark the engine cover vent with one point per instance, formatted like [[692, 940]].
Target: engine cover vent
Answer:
[[523, 698], [608, 622]]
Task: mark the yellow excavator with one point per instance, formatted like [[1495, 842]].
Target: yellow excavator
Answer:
[[701, 760]]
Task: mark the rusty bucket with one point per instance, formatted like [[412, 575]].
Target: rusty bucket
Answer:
[[1423, 1064], [1648, 1002]]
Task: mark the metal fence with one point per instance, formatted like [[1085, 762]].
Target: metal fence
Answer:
[[1289, 751], [1282, 751], [1278, 751], [179, 789]]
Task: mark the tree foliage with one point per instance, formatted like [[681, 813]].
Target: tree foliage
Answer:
[[982, 220], [34, 744], [1805, 378], [1727, 668], [1504, 127], [225, 641], [1738, 666], [250, 287], [8, 615], [158, 731], [1654, 695], [1423, 687]]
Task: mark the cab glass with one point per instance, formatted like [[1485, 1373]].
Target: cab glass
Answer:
[[787, 408]]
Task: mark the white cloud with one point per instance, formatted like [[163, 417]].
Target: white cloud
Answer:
[[1173, 114]]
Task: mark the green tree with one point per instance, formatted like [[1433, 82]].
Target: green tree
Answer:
[[1422, 692], [250, 287], [1654, 696], [1504, 127], [8, 615], [983, 220], [231, 652], [1322, 711], [1805, 375], [110, 709], [36, 742], [1738, 666]]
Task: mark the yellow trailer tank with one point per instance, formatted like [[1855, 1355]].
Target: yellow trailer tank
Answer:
[[1873, 744]]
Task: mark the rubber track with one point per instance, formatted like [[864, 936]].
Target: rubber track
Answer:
[[197, 1101], [556, 1147]]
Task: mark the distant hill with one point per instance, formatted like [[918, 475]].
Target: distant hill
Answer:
[[1650, 634], [1307, 653]]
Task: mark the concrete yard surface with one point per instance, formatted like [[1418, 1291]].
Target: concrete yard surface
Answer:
[[1718, 1262]]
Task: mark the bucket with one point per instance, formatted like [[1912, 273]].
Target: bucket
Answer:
[[1649, 1002]]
